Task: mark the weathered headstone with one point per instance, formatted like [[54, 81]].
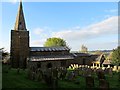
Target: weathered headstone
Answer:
[[106, 70], [18, 70], [55, 84], [89, 72], [48, 77], [55, 73], [103, 84], [76, 72], [77, 81], [70, 76], [110, 72], [100, 74], [63, 73], [33, 76], [115, 68], [39, 75], [89, 82]]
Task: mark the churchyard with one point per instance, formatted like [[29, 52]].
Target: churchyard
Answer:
[[73, 77]]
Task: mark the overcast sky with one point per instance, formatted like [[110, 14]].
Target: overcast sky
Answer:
[[94, 24]]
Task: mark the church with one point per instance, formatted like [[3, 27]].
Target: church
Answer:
[[22, 55]]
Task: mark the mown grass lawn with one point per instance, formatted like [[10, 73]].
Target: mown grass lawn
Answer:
[[12, 79]]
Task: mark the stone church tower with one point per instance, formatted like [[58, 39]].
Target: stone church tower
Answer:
[[19, 41]]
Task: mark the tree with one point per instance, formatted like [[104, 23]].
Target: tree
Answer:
[[109, 57], [4, 53], [116, 56], [84, 49], [98, 52], [54, 42]]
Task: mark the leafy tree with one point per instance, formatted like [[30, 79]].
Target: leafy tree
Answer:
[[98, 52], [4, 53], [54, 42], [109, 57], [84, 49], [116, 56]]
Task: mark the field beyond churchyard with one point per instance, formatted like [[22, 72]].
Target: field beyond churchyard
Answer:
[[12, 79]]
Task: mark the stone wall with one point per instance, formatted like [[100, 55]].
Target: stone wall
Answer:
[[19, 48], [83, 60], [43, 65]]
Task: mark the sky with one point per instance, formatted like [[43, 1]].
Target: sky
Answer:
[[93, 24]]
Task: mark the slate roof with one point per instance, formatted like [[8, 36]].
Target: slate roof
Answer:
[[49, 49], [99, 57], [50, 58], [107, 62], [81, 54]]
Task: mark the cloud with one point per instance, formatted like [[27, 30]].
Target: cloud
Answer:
[[94, 36], [91, 33], [37, 43], [40, 36], [112, 10], [108, 26], [12, 1], [38, 31], [15, 1], [104, 45]]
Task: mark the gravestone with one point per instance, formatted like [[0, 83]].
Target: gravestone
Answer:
[[118, 68], [106, 70], [80, 71], [103, 84], [33, 76], [18, 70], [115, 68], [48, 77], [63, 73], [36, 74], [76, 72], [89, 72], [29, 73], [55, 84], [55, 73], [39, 75], [70, 76], [100, 74], [89, 82], [110, 72], [77, 81]]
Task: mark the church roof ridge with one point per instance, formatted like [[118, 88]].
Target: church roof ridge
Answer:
[[61, 48]]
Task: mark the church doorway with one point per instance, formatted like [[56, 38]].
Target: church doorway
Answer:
[[49, 65]]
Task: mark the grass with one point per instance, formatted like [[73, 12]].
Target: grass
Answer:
[[14, 80]]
